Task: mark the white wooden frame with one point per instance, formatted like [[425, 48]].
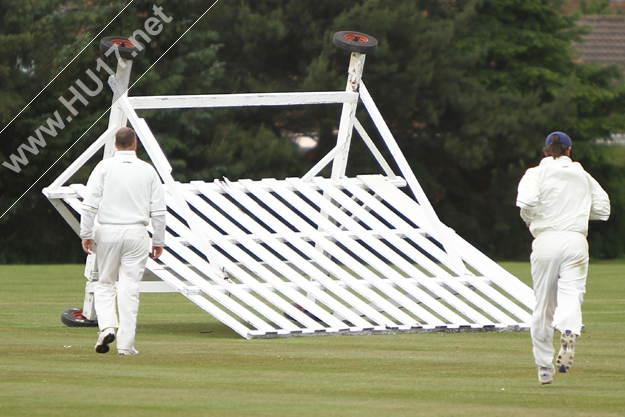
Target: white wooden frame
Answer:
[[309, 255]]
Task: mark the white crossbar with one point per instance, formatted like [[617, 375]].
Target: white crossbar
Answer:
[[241, 100]]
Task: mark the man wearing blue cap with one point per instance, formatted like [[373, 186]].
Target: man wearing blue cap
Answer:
[[557, 199]]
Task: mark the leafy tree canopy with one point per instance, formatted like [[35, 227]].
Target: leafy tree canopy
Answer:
[[469, 88]]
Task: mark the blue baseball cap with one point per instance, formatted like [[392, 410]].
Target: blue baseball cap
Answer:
[[563, 139]]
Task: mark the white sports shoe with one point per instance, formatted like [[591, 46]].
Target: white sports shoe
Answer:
[[545, 374], [126, 352], [567, 351], [105, 337]]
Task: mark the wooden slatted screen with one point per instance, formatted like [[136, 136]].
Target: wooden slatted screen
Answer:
[[352, 256]]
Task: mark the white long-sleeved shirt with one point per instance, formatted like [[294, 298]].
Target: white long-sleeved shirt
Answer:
[[124, 190], [559, 195]]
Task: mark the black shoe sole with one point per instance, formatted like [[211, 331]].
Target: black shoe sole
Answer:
[[104, 347]]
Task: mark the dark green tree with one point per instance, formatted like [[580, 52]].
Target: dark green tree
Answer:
[[469, 88]]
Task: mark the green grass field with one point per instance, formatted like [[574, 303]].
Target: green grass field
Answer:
[[192, 365]]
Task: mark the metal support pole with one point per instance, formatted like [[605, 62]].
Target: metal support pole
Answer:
[[348, 114], [119, 85]]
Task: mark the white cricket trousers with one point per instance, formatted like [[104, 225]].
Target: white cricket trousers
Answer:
[[559, 269], [121, 254]]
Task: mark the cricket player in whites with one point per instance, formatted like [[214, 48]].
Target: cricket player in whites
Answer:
[[125, 193], [557, 199]]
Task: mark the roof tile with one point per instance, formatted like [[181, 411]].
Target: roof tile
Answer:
[[606, 42]]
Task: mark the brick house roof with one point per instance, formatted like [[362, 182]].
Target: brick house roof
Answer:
[[606, 43]]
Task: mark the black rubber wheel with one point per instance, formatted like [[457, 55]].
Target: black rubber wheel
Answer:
[[73, 317], [128, 49], [355, 42]]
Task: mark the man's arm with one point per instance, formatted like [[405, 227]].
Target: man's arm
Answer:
[[158, 236], [528, 195], [158, 209], [87, 219], [600, 209], [90, 204]]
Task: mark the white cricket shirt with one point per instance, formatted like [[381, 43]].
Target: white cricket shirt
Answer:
[[124, 190], [559, 195]]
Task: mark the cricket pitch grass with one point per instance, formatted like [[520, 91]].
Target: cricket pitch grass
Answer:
[[192, 365]]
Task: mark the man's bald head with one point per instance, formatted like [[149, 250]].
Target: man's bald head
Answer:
[[125, 138]]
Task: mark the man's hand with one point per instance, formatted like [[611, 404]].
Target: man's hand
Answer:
[[87, 246], [157, 251]]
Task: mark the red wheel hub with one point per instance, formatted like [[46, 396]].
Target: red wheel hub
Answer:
[[78, 315], [356, 38], [124, 43]]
